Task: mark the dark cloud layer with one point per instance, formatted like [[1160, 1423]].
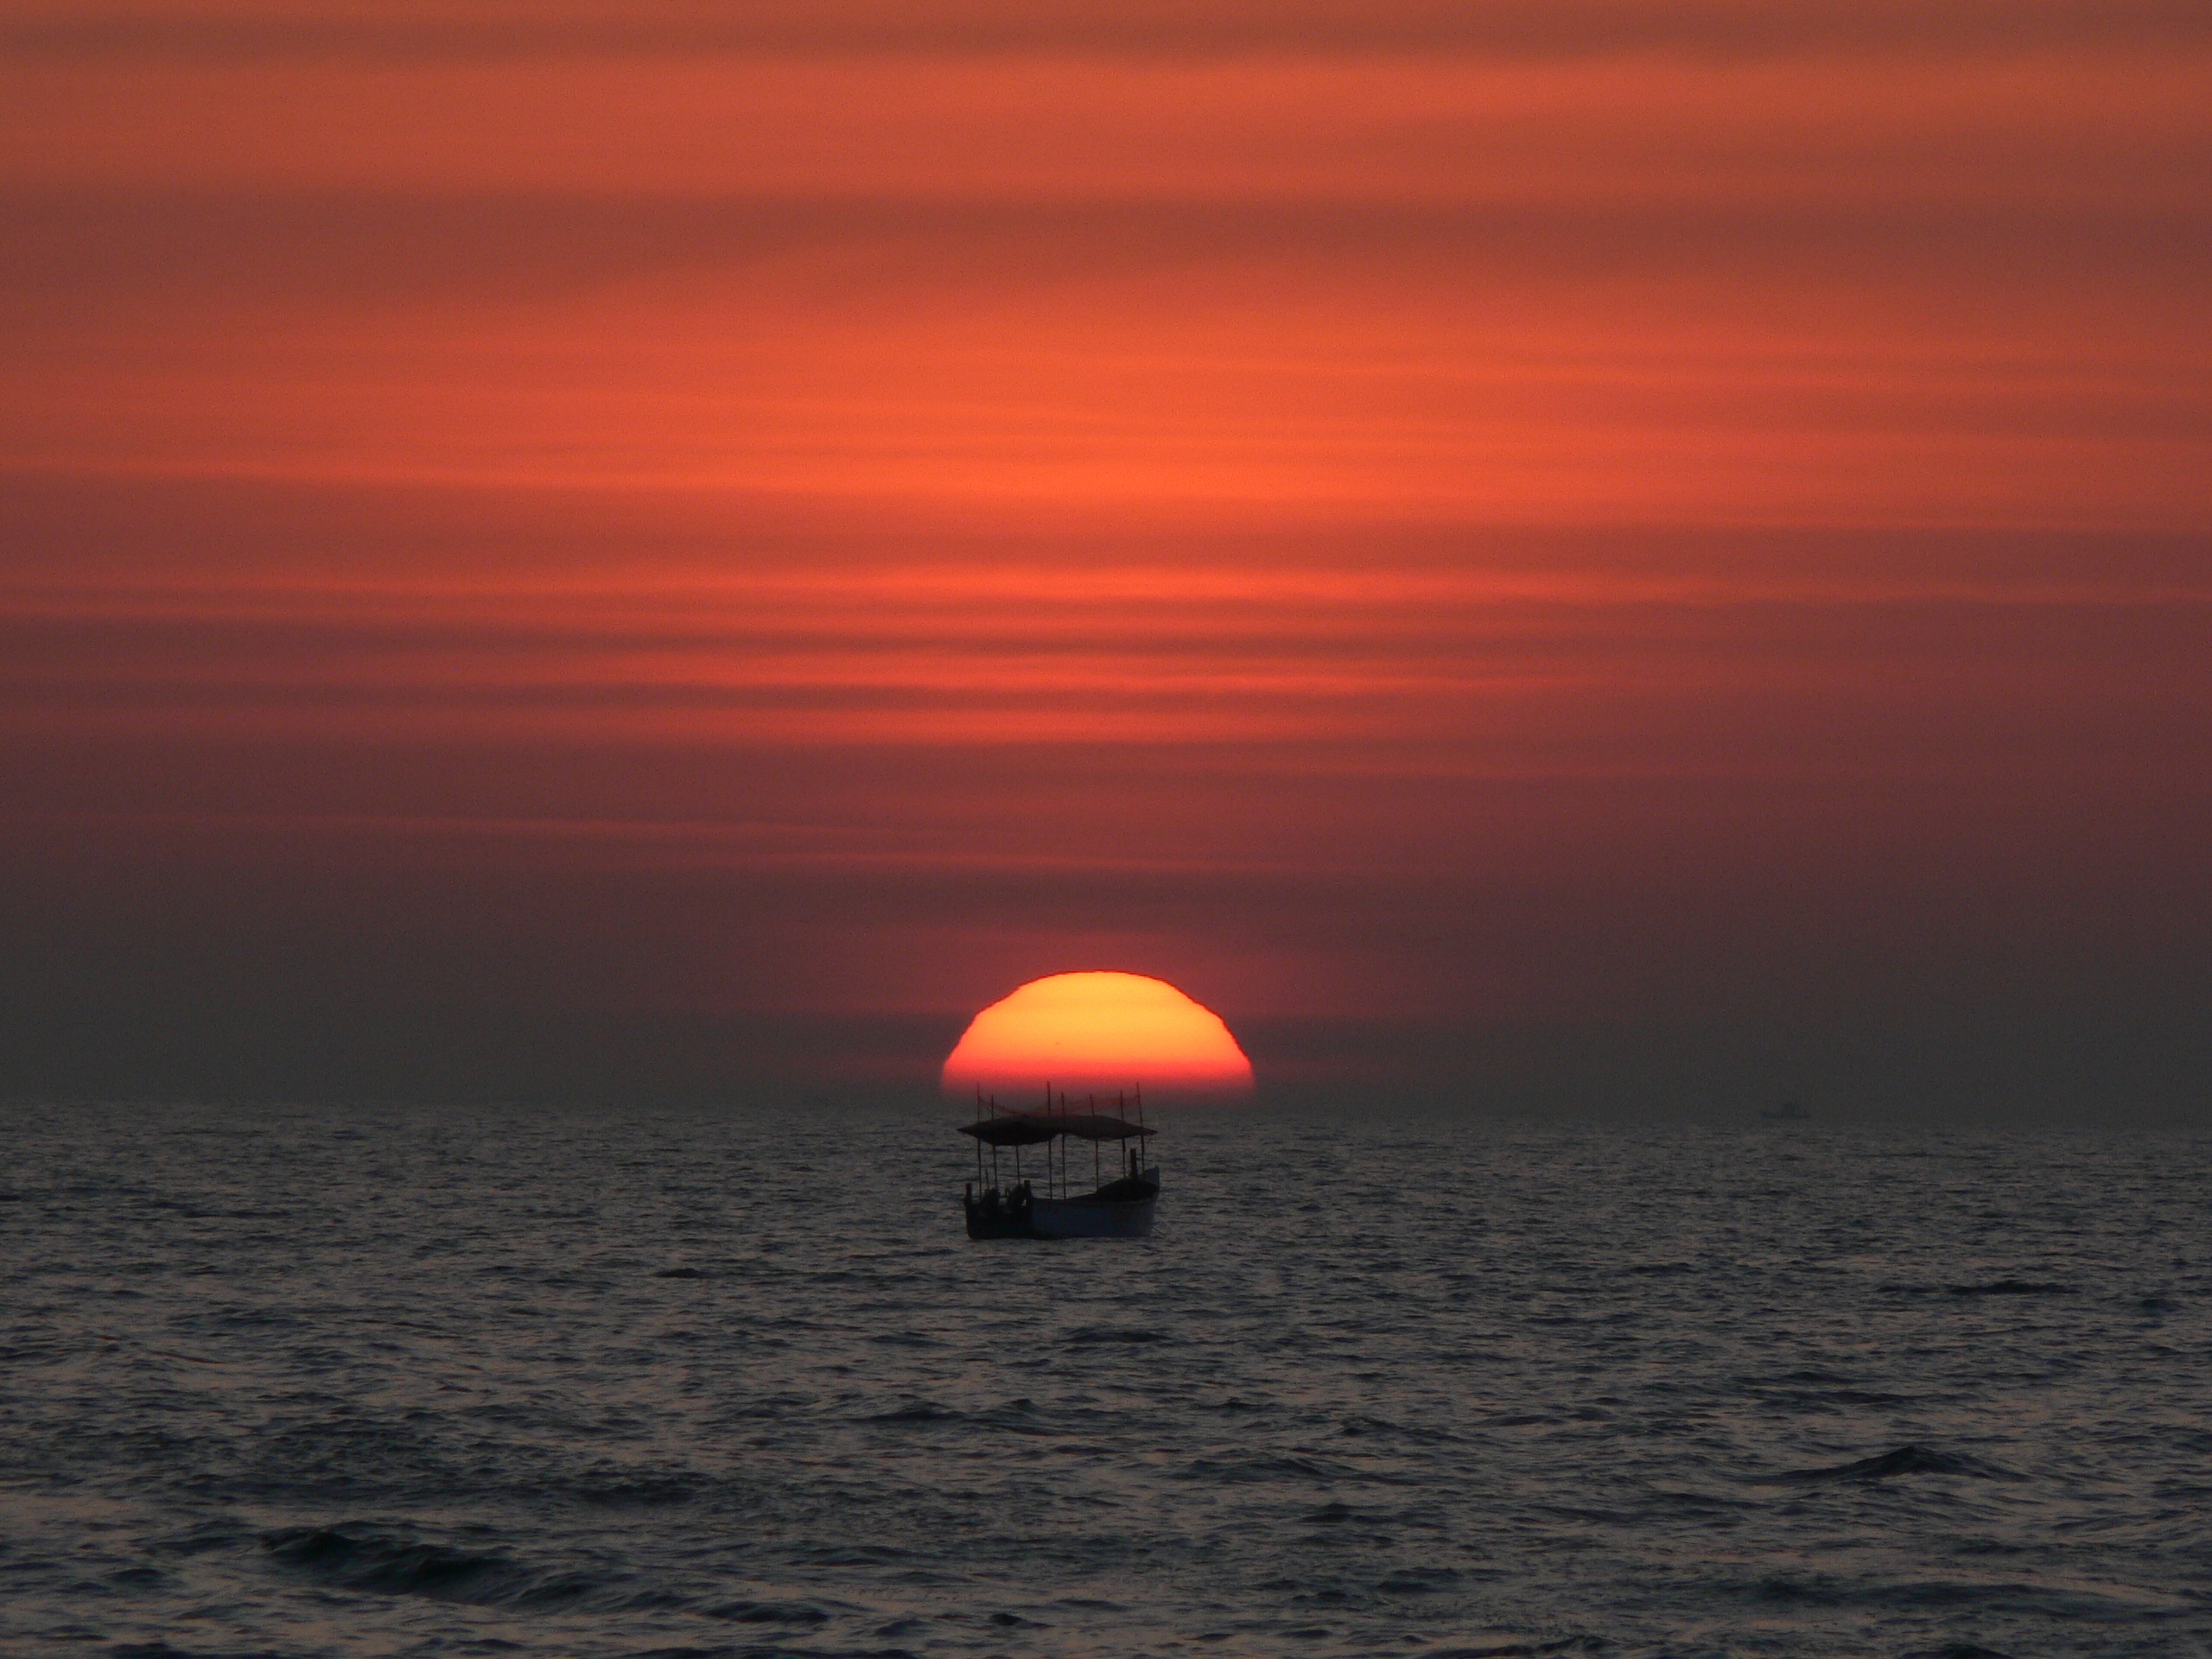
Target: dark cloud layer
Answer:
[[82, 249], [1719, 28]]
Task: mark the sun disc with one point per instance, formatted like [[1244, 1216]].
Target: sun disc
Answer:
[[1096, 1034]]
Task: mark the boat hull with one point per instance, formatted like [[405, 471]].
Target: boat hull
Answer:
[[1085, 1218], [1105, 1214]]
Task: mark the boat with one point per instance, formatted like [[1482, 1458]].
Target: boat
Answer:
[[1788, 1112], [1119, 1207]]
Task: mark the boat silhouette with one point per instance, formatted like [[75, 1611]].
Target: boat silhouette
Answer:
[[1120, 1207]]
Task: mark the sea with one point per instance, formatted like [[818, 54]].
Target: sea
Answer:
[[340, 1380]]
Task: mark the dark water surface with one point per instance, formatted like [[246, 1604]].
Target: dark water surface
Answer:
[[325, 1381]]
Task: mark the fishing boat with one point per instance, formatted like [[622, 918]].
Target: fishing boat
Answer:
[[1119, 1207]]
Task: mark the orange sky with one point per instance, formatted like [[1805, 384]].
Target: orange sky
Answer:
[[692, 547]]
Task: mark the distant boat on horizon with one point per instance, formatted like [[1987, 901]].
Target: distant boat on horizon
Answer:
[[1119, 1208], [1788, 1112]]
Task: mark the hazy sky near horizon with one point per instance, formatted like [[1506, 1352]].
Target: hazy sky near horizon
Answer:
[[1595, 553]]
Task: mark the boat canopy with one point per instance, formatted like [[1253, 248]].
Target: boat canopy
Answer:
[[1030, 1128], [1015, 1130], [1099, 1126]]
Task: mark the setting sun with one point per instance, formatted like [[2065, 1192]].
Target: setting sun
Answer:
[[1084, 1032]]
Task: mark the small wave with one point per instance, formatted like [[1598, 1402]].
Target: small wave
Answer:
[[1021, 1416], [1808, 1399], [1786, 1589], [1908, 1459], [917, 1411], [853, 1555], [1429, 1581], [1095, 1335], [679, 1273], [402, 1567], [1384, 1427], [772, 1405], [1861, 1397], [2011, 1287], [1957, 1650], [1276, 1468], [768, 1612], [1990, 1288], [185, 1359], [644, 1492]]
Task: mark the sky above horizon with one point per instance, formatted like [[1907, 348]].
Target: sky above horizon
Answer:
[[1591, 554]]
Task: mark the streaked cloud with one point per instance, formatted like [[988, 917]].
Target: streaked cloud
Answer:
[[1680, 519], [1545, 28]]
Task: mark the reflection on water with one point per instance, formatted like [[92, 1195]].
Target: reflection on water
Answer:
[[324, 1381]]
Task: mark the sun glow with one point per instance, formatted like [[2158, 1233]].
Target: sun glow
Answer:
[[1096, 1032]]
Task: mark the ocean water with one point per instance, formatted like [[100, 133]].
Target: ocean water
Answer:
[[327, 1380]]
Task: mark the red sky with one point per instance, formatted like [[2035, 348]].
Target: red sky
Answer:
[[1599, 555]]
